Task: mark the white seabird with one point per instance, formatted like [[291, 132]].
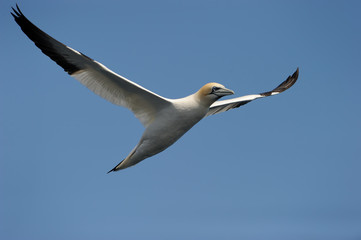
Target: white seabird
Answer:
[[165, 120]]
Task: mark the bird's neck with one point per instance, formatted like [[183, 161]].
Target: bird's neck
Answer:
[[203, 100]]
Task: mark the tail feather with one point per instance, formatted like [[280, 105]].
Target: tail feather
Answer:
[[125, 162], [112, 170], [116, 168]]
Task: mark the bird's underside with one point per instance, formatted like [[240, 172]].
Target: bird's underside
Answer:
[[165, 120]]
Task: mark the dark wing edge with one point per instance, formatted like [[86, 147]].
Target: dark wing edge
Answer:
[[94, 75], [48, 45], [284, 85], [225, 105]]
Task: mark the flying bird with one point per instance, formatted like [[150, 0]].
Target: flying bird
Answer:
[[165, 120]]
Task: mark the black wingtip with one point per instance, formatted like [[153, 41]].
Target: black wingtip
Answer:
[[17, 7], [16, 12], [284, 85], [295, 74], [288, 82]]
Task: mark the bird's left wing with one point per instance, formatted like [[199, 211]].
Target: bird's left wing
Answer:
[[225, 105], [94, 75]]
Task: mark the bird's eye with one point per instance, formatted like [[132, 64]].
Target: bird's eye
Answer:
[[215, 89]]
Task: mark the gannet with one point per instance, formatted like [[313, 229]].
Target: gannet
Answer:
[[165, 120]]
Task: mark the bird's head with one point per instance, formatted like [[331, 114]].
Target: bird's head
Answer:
[[211, 92]]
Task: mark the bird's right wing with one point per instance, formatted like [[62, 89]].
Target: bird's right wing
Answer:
[[225, 105], [94, 75]]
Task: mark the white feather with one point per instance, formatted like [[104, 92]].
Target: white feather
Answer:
[[165, 120]]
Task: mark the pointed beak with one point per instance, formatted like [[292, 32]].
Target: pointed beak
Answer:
[[224, 92]]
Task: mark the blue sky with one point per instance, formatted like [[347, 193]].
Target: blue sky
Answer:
[[283, 167]]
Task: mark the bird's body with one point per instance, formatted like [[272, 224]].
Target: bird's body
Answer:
[[165, 120], [170, 123]]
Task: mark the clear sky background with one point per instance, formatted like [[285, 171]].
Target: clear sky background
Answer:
[[283, 167]]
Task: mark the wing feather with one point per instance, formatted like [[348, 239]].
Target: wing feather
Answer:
[[225, 105], [94, 75]]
